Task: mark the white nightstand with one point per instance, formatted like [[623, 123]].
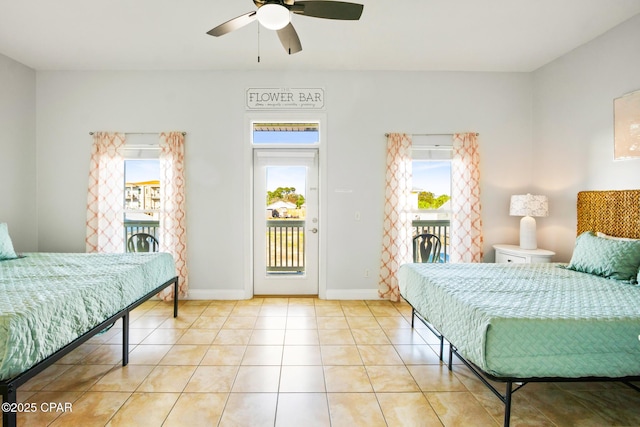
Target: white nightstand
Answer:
[[514, 254]]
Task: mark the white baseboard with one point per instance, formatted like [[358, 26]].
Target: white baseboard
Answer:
[[335, 294], [352, 294], [215, 294]]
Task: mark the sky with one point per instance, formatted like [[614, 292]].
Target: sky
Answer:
[[274, 137], [287, 176], [141, 170], [433, 176]]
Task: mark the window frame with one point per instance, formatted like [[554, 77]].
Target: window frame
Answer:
[[285, 122], [143, 149], [426, 149]]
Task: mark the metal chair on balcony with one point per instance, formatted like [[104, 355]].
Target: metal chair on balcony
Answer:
[[142, 242], [426, 248]]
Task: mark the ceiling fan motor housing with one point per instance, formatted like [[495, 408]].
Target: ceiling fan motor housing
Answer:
[[274, 16]]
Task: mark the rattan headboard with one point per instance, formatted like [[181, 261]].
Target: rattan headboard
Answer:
[[616, 212]]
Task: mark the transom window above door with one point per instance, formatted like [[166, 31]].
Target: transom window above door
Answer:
[[289, 133]]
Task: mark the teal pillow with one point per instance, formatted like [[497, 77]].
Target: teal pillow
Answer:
[[613, 259], [6, 247]]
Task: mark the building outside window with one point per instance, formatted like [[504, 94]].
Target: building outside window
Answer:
[[142, 196]]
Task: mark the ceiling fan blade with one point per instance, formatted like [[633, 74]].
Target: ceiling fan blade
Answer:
[[328, 9], [289, 39], [233, 24]]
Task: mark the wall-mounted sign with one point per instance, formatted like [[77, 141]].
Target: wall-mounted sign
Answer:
[[285, 98]]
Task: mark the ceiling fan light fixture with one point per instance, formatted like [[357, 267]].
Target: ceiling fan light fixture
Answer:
[[274, 16]]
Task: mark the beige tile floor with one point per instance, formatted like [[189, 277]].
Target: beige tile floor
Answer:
[[293, 362]]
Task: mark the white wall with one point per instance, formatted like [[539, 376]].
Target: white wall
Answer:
[[573, 128], [210, 107], [550, 131], [17, 153]]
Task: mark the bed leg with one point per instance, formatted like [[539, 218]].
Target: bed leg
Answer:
[[507, 404], [413, 316], [450, 357], [9, 396], [125, 339], [175, 298], [441, 347]]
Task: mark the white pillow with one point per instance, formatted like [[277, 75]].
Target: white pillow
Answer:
[[606, 236]]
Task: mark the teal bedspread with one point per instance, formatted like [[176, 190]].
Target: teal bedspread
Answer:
[[49, 299], [530, 320]]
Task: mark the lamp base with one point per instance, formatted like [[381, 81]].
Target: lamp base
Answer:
[[528, 233]]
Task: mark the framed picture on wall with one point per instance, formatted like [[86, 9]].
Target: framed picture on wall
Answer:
[[626, 130]]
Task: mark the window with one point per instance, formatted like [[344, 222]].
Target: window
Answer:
[[431, 188], [106, 229], [431, 184], [431, 170], [285, 133], [142, 187]]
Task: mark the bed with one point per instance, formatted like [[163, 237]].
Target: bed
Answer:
[[50, 303], [520, 323]]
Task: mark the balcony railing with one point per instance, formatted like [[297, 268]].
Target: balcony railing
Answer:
[[133, 227], [285, 246], [285, 240], [438, 227]]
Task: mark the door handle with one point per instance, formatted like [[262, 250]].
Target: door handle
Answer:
[[314, 230]]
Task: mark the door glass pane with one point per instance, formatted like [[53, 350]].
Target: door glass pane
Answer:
[[431, 185], [142, 197], [285, 216], [431, 200]]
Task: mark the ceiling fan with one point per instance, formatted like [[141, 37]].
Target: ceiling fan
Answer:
[[276, 15]]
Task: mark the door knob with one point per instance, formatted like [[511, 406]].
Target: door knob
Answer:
[[314, 230]]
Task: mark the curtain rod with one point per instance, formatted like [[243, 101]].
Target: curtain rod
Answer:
[[430, 134], [142, 133]]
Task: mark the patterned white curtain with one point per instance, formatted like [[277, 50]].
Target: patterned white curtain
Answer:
[[396, 237], [105, 220], [466, 222], [173, 232]]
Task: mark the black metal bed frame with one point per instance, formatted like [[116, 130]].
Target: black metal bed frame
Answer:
[[512, 384], [9, 388]]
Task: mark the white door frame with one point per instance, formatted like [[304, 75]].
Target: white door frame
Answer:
[[291, 116], [265, 283]]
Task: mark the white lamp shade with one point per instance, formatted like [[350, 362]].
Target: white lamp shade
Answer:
[[529, 205], [273, 16]]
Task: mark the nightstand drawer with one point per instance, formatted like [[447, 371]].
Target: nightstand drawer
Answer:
[[516, 255], [502, 257]]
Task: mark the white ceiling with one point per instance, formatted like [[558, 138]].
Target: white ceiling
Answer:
[[464, 35]]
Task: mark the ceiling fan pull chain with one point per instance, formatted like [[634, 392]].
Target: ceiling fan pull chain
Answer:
[[258, 44]]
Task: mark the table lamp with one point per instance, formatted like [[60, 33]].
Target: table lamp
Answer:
[[528, 206]]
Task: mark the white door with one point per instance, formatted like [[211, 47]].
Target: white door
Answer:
[[285, 222]]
